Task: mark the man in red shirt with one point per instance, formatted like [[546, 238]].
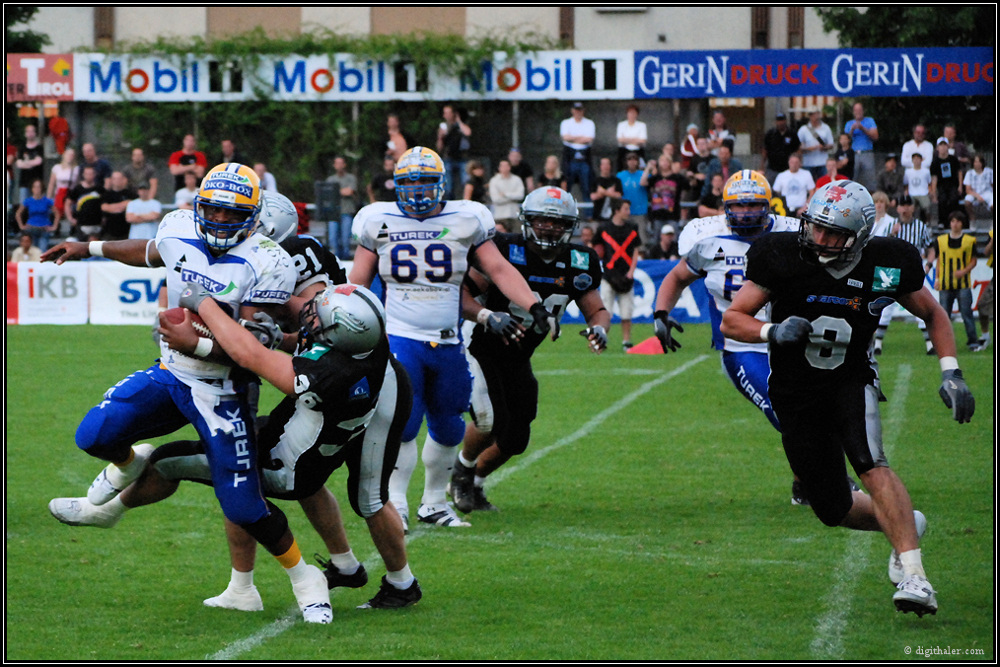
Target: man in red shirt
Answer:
[[187, 160]]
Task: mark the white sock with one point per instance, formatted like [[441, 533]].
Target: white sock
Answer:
[[115, 506], [438, 463], [399, 480], [241, 579], [912, 563], [466, 462], [298, 572], [400, 579], [346, 562]]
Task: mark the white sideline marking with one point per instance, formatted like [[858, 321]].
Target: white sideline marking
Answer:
[[828, 641], [277, 627]]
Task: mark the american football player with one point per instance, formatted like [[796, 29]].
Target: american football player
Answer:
[[505, 391], [421, 247], [826, 286], [215, 246]]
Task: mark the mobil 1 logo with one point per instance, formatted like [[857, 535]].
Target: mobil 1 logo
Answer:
[[600, 74]]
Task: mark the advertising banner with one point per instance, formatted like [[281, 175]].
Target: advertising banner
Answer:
[[121, 294], [38, 76], [48, 294]]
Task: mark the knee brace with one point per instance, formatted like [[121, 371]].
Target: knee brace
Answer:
[[269, 530]]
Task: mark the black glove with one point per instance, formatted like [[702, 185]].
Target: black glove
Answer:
[[503, 325], [540, 318], [662, 324], [957, 395], [793, 330], [265, 330], [192, 295], [600, 342]]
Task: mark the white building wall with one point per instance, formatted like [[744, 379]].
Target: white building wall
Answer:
[[510, 21], [344, 20], [681, 28], [68, 28], [133, 24]]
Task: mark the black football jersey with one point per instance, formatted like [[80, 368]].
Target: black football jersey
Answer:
[[574, 271], [844, 311], [313, 262]]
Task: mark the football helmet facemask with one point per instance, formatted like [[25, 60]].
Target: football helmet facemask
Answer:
[[278, 217], [549, 217], [837, 224], [227, 206], [746, 200], [419, 178], [347, 318]]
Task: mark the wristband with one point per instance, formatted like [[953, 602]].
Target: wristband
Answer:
[[96, 248], [764, 330], [483, 315], [204, 347], [948, 364]]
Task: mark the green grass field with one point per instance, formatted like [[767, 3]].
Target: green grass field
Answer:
[[649, 520]]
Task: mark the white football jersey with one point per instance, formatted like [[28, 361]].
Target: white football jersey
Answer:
[[422, 262], [256, 272], [720, 258]]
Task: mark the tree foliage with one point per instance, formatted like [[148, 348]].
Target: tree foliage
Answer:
[[921, 26], [21, 41]]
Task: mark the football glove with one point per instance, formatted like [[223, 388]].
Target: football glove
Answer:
[[192, 295], [265, 330], [957, 395], [540, 318], [793, 330], [600, 341], [503, 325], [662, 324]]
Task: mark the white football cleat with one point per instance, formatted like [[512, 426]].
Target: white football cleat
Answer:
[[896, 574], [313, 597], [114, 479], [915, 594], [81, 512], [441, 515], [241, 599]]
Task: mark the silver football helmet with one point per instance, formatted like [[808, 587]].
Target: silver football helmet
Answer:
[[842, 213], [348, 318], [278, 217], [549, 216]]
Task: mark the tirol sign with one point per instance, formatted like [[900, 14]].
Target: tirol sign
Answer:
[[38, 76]]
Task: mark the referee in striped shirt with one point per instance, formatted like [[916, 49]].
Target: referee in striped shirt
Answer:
[[919, 234]]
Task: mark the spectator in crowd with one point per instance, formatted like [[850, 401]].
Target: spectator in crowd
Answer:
[[917, 180], [845, 157], [890, 180], [711, 203], [26, 251], [475, 182], [885, 224], [62, 178], [230, 153], [666, 248], [267, 180], [521, 169], [34, 215], [138, 171], [779, 142], [607, 188], [918, 144], [699, 165], [979, 189], [395, 142], [724, 163], [718, 133], [617, 243], [816, 141], [955, 255], [587, 232], [631, 136], [669, 151], [184, 198], [114, 201], [578, 134], [946, 182], [956, 148], [832, 173], [796, 185], [188, 158], [102, 168], [864, 134], [30, 162], [453, 144], [506, 194], [986, 306], [338, 232], [143, 214], [11, 160], [382, 187], [552, 173], [635, 190], [666, 185], [83, 205], [689, 147]]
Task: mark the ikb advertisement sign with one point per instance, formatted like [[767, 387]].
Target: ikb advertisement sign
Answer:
[[46, 293]]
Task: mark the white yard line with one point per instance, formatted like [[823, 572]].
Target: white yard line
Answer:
[[275, 628], [828, 640]]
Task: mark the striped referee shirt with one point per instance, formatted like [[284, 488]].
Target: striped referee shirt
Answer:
[[917, 233]]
